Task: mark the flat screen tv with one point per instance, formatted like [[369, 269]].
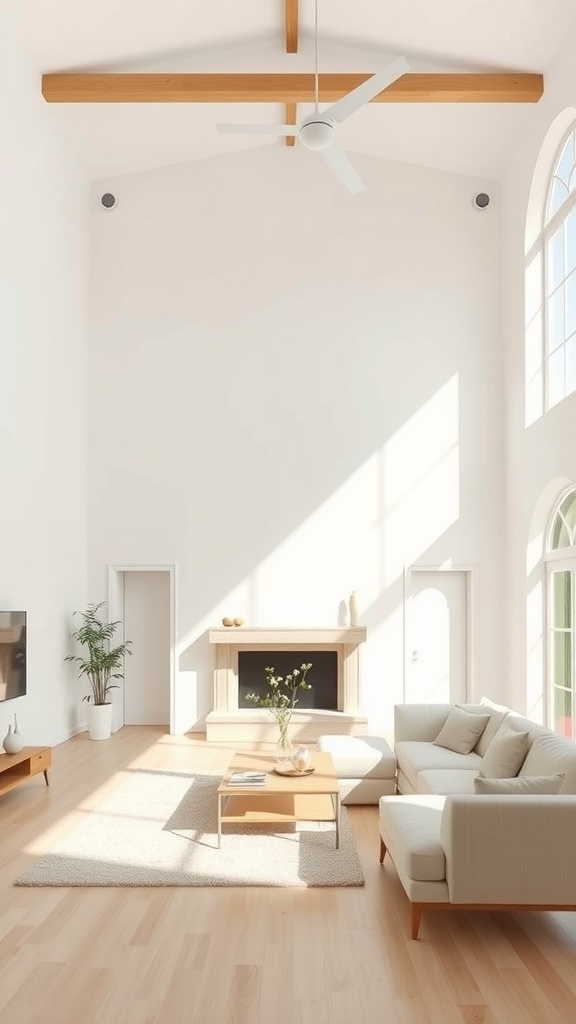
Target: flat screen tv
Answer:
[[12, 655]]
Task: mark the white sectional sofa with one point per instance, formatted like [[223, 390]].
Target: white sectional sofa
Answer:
[[492, 828]]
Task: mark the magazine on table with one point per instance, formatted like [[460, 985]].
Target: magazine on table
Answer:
[[247, 778]]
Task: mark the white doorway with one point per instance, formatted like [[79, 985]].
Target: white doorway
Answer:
[[142, 598], [438, 636]]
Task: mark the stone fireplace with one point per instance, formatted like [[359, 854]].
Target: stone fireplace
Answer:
[[231, 722]]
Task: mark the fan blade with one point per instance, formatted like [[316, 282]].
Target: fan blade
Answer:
[[258, 129], [352, 102], [338, 162]]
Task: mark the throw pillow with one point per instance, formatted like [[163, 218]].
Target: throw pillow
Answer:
[[494, 723], [520, 784], [461, 730], [505, 754]]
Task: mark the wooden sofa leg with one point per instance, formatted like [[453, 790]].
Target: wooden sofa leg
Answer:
[[416, 918], [382, 850]]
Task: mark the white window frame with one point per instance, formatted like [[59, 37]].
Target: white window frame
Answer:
[[558, 560], [540, 246]]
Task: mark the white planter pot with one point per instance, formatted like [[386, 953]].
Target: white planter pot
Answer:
[[99, 721]]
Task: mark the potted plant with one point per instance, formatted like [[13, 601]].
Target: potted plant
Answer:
[[100, 663]]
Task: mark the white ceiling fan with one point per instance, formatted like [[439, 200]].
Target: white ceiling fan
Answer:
[[317, 131]]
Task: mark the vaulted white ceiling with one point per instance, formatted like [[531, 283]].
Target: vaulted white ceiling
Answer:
[[248, 35]]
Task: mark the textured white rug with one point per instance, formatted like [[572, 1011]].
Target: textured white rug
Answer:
[[160, 828]]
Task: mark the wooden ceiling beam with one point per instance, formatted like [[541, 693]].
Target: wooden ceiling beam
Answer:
[[291, 22], [286, 88], [290, 118]]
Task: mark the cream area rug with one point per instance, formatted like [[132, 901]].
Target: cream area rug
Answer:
[[160, 828]]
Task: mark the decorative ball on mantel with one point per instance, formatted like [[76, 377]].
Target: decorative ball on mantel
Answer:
[[238, 621], [227, 622]]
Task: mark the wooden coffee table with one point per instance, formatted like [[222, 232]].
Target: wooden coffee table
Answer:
[[282, 798]]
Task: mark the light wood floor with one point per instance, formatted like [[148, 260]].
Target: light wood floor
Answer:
[[251, 956]]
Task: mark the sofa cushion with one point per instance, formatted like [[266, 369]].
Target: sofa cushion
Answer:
[[550, 754], [497, 716], [514, 719], [410, 829], [520, 784], [415, 756], [447, 781], [461, 730], [506, 753], [358, 757]]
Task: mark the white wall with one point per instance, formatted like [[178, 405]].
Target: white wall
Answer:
[[541, 459], [294, 393], [42, 413]]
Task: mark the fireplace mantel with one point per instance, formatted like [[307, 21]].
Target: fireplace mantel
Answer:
[[262, 636], [227, 722]]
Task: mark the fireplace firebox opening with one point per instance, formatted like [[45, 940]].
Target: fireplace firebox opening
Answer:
[[323, 676]]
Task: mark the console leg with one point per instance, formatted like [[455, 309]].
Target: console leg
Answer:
[[46, 776]]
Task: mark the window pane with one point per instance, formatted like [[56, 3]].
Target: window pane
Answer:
[[571, 365], [556, 378], [533, 348], [571, 241], [534, 402], [555, 267], [563, 718], [567, 513], [555, 331], [565, 163], [558, 193], [571, 304], [561, 600], [562, 659], [533, 288], [560, 535]]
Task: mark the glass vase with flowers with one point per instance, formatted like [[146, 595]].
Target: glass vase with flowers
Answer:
[[281, 699]]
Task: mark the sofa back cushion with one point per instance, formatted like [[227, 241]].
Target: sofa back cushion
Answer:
[[550, 754], [461, 730], [419, 722], [520, 784], [506, 753]]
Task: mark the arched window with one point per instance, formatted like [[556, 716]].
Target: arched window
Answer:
[[561, 588], [550, 291]]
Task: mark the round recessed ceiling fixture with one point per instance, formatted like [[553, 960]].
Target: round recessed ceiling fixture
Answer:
[[108, 201]]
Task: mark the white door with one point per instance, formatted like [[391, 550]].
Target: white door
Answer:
[[147, 669], [437, 640]]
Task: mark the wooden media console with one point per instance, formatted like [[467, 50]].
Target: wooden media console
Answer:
[[16, 768]]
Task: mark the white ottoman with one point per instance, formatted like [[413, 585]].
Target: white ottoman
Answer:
[[365, 767]]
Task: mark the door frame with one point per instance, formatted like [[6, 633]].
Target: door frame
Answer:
[[116, 600], [408, 586]]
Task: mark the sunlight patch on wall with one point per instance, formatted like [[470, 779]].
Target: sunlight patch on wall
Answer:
[[534, 551], [384, 516], [334, 551], [421, 480]]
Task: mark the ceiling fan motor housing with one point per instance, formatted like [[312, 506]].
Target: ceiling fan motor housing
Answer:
[[317, 132]]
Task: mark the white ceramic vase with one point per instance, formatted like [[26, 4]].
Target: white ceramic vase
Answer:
[[99, 721], [13, 741], [353, 607]]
